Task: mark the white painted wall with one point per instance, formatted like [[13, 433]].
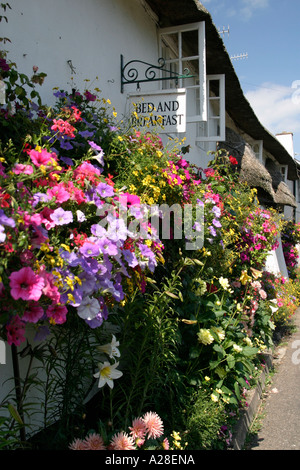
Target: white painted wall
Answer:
[[91, 33], [275, 262]]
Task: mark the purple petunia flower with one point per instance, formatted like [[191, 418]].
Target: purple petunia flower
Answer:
[[217, 211], [212, 231], [98, 230], [67, 161], [216, 223], [146, 251], [94, 145], [40, 197], [61, 217], [89, 249], [86, 134], [65, 144], [108, 247], [105, 190], [4, 220], [130, 258]]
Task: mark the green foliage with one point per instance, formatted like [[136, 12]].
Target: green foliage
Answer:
[[204, 420]]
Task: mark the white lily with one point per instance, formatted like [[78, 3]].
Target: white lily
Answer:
[[107, 374], [111, 349]]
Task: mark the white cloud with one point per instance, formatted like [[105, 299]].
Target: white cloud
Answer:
[[248, 7], [277, 107], [244, 9]]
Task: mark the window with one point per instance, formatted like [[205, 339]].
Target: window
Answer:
[[214, 128], [257, 148], [183, 49], [284, 172]]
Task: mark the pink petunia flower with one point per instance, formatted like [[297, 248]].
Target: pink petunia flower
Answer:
[[15, 331], [57, 313], [59, 193], [19, 168], [26, 285], [154, 425], [33, 313], [41, 158], [121, 441]]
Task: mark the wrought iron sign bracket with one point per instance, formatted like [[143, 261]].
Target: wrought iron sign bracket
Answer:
[[130, 73]]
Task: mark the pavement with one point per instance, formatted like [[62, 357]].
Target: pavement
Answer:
[[280, 410]]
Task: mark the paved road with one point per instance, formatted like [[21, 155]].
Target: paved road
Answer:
[[281, 424]]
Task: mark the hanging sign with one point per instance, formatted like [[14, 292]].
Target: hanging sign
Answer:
[[165, 110]]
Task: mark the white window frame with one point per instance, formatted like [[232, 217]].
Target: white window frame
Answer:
[[284, 172], [221, 136], [259, 154], [201, 57]]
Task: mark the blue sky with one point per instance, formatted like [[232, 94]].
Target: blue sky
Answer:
[[269, 32]]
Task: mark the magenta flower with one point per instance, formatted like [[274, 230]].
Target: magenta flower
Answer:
[[26, 285], [15, 331], [59, 193], [33, 314], [41, 158], [57, 313], [19, 168]]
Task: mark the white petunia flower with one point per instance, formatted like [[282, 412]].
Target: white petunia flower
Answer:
[[89, 308]]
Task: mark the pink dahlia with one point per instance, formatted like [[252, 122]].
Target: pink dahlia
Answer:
[[165, 444], [122, 441], [94, 442], [154, 425], [138, 428], [26, 285], [77, 444]]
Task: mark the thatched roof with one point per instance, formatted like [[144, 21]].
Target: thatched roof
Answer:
[[271, 190], [176, 12], [284, 197]]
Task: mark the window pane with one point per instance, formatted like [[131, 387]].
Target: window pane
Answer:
[[169, 44], [192, 102], [214, 88], [190, 67], [202, 129], [214, 127], [214, 107], [173, 83], [189, 43]]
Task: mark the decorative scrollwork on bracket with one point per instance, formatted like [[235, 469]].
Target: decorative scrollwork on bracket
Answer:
[[131, 74]]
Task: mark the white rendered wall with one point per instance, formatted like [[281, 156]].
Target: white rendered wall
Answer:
[[91, 33]]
